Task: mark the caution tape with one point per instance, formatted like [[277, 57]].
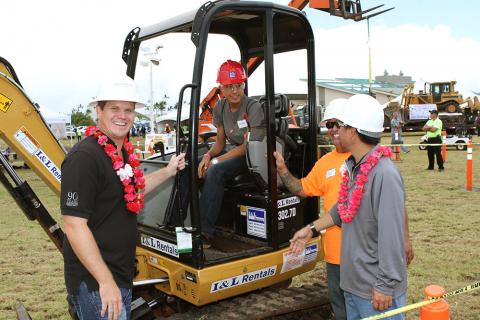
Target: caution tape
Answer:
[[390, 313], [407, 145]]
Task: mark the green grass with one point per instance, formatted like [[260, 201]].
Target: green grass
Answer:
[[444, 221]]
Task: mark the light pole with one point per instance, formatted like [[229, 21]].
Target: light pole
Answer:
[[369, 58], [153, 59]]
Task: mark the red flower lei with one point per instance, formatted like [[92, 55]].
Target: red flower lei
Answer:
[[125, 171], [348, 212]]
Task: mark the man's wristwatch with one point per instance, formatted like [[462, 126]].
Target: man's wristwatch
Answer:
[[214, 161], [315, 233]]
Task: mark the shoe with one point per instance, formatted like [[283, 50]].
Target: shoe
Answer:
[[407, 151], [206, 241], [441, 169]]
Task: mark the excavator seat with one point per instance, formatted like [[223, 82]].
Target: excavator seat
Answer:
[[257, 177], [245, 195]]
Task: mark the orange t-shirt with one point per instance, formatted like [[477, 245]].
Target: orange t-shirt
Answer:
[[324, 180]]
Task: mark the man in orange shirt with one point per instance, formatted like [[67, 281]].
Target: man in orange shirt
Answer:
[[324, 180]]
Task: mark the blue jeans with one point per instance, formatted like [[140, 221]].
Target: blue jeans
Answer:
[[399, 141], [335, 294], [88, 305], [358, 307], [213, 189]]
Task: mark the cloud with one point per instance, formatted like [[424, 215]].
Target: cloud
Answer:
[[63, 51], [425, 53]]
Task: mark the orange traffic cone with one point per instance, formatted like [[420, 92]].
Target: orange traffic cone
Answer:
[[137, 150], [397, 153], [436, 310], [150, 148], [444, 145], [397, 149], [469, 165]]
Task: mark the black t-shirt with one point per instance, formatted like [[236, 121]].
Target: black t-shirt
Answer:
[[92, 190]]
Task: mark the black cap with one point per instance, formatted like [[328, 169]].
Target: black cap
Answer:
[[434, 111]]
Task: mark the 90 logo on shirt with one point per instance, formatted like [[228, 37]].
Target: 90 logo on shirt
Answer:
[[72, 199]]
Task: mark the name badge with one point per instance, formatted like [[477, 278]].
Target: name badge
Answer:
[[330, 173], [242, 123]]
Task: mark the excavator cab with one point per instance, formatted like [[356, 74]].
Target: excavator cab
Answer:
[[258, 215]]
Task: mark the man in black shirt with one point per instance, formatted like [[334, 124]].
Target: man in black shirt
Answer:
[[101, 193]]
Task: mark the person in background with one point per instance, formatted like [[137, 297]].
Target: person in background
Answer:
[[477, 123], [433, 127], [102, 192], [371, 212], [234, 116], [396, 124], [78, 134]]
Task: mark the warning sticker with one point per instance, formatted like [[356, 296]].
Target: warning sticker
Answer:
[[256, 222], [243, 210], [26, 140], [291, 262], [311, 252], [5, 102]]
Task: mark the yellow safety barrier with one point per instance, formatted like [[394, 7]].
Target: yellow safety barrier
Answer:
[[390, 313]]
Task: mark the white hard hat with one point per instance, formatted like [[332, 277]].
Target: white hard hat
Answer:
[[334, 109], [122, 89], [364, 113]]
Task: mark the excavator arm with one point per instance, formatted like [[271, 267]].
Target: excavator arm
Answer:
[[23, 128], [347, 9]]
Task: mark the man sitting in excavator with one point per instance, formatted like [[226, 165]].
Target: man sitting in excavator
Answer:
[[233, 116]]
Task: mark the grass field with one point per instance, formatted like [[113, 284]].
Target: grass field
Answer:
[[444, 224]]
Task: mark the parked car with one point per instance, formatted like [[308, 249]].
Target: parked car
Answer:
[[69, 132], [82, 129], [455, 141]]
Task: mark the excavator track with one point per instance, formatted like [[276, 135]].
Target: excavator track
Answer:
[[305, 302]]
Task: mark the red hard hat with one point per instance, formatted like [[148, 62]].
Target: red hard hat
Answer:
[[231, 72]]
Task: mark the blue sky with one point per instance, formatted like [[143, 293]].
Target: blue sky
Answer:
[[459, 15], [62, 50]]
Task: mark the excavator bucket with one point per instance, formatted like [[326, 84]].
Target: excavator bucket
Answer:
[[347, 9]]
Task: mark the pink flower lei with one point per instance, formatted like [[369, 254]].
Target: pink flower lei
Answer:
[[348, 209], [129, 173]]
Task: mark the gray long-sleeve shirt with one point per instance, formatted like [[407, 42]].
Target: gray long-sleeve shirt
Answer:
[[373, 254]]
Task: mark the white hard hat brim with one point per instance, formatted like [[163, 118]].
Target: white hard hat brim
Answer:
[[365, 114], [94, 103], [333, 110], [370, 133], [120, 90]]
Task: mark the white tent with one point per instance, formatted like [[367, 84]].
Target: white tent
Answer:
[[172, 115], [56, 121]]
